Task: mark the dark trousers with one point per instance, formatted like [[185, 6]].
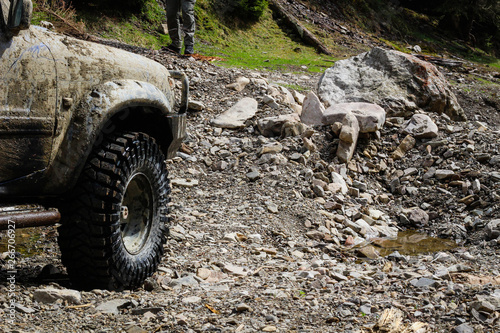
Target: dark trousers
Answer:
[[174, 10]]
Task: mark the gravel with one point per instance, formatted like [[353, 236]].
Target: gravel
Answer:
[[263, 242]]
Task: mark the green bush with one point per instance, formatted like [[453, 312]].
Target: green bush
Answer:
[[251, 9]]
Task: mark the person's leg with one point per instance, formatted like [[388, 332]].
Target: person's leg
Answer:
[[188, 25], [173, 14]]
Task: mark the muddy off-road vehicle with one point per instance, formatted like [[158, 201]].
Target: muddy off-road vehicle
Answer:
[[85, 130]]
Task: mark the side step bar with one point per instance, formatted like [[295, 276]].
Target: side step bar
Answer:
[[25, 216]]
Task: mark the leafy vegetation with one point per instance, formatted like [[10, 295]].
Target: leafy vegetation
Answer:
[[260, 42], [476, 22], [251, 9]]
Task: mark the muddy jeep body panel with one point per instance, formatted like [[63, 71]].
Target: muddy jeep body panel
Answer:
[[59, 95], [84, 133]]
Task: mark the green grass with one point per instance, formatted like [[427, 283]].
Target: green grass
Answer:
[[484, 81], [141, 29], [484, 59], [262, 45]]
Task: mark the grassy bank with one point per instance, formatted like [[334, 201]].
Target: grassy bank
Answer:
[[258, 45]]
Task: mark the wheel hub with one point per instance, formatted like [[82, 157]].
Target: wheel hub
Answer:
[[136, 213]]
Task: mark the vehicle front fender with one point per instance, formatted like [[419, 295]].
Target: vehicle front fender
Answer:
[[98, 114]]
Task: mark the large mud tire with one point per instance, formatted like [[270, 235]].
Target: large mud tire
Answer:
[[115, 224]]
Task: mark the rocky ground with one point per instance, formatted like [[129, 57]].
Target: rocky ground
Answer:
[[258, 243]]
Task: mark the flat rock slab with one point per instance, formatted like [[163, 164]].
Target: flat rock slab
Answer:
[[113, 306], [236, 116], [423, 282], [181, 182], [371, 117], [51, 295]]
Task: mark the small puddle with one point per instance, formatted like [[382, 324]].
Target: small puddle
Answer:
[[26, 241], [411, 243]]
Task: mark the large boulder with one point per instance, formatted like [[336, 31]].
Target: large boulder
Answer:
[[399, 82]]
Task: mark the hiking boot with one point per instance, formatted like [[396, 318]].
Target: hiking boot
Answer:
[[171, 48], [189, 50]]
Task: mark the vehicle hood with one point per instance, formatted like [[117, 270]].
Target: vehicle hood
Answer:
[[82, 65]]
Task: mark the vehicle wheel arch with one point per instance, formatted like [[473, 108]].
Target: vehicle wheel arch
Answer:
[[116, 105]]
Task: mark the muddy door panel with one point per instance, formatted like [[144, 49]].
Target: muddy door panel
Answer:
[[28, 95]]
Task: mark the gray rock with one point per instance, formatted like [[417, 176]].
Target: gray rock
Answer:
[[236, 116], [273, 126], [423, 282], [338, 276], [271, 148], [366, 309], [196, 105], [299, 98], [113, 306], [417, 216], [337, 179], [348, 138], [463, 328], [240, 84], [269, 100], [23, 309], [307, 274], [476, 186], [318, 190], [135, 329], [360, 185], [443, 174], [495, 176], [397, 81], [483, 306], [315, 234], [50, 295], [286, 96], [235, 270], [272, 207], [406, 145], [386, 231], [242, 307], [262, 83], [191, 300], [312, 110], [371, 117], [495, 160], [253, 175], [184, 182], [421, 126], [493, 229], [188, 280]]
